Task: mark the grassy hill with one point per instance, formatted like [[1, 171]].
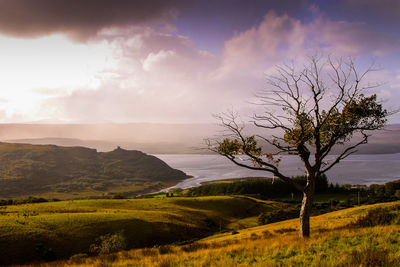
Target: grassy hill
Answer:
[[65, 172], [361, 236], [58, 230]]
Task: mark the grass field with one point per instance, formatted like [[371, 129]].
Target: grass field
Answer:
[[124, 188], [66, 228], [337, 240]]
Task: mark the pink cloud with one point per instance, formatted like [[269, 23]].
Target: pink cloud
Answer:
[[278, 38], [263, 45], [351, 38], [164, 78]]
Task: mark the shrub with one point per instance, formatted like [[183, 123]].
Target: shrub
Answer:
[[284, 230], [195, 246], [254, 236], [165, 249], [265, 187], [109, 243], [378, 216], [118, 196], [262, 219], [267, 234], [370, 256], [79, 256], [165, 262], [149, 252], [278, 215]]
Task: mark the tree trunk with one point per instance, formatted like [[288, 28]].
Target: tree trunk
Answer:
[[305, 213]]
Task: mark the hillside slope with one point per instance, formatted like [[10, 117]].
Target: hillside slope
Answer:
[[361, 236], [40, 169], [62, 229]]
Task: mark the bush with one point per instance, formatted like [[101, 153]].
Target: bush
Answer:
[[278, 215], [264, 187], [118, 196], [262, 219], [195, 246], [267, 234], [285, 230], [165, 249], [254, 236], [78, 256], [378, 216], [108, 243], [371, 256], [165, 262]]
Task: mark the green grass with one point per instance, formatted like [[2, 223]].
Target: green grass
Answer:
[[336, 240], [123, 188], [70, 227]]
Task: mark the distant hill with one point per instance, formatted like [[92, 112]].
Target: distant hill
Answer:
[[50, 170], [104, 146], [160, 138]]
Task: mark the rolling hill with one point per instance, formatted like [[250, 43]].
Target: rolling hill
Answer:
[[65, 172], [360, 236], [58, 230]]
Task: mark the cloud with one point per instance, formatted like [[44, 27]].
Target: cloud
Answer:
[[278, 38], [351, 38], [80, 19], [155, 58], [163, 77], [50, 91], [159, 77], [263, 45]]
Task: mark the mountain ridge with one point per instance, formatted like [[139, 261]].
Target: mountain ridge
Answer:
[[27, 169]]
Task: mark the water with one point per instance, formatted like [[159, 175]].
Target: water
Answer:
[[355, 169]]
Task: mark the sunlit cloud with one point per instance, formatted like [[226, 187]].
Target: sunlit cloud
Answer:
[[33, 69], [130, 72], [164, 78]]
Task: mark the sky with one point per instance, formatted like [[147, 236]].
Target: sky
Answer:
[[177, 61]]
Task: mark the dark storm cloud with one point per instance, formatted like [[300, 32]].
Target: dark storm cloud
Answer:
[[84, 18], [79, 19]]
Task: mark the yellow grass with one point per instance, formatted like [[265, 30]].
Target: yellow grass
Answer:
[[333, 243], [70, 227]]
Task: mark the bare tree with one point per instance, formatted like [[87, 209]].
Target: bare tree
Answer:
[[317, 108]]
